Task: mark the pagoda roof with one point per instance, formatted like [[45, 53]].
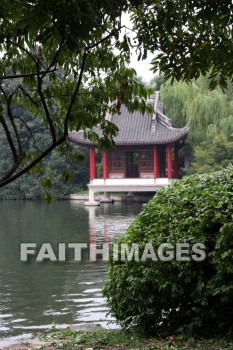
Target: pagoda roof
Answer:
[[136, 128]]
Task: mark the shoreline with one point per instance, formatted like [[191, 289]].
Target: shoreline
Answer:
[[99, 338], [36, 342]]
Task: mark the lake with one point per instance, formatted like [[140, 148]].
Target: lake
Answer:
[[35, 295]]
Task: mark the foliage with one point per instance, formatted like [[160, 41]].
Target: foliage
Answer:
[[212, 156], [209, 111], [66, 62], [50, 183], [210, 114], [151, 295], [188, 38], [57, 177], [115, 340]]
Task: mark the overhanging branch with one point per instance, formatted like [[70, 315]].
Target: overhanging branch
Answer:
[[26, 75], [12, 175], [33, 163], [7, 131], [85, 54], [44, 104]]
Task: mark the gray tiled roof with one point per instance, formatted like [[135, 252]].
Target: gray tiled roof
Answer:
[[136, 128]]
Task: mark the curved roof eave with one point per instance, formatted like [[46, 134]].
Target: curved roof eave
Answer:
[[75, 138]]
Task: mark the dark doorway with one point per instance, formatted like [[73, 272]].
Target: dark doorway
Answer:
[[132, 164], [162, 161]]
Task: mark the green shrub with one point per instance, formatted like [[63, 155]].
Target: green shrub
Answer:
[[151, 294]]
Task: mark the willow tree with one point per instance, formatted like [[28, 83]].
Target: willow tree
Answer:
[[65, 62], [214, 155], [209, 112]]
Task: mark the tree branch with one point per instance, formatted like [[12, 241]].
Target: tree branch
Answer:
[[86, 49], [9, 138], [13, 169], [48, 116], [9, 112], [30, 131], [104, 38], [28, 96], [34, 162], [7, 132], [8, 101], [23, 49], [85, 54], [26, 75], [54, 59], [40, 74]]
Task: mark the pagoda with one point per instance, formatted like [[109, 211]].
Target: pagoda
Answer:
[[146, 153]]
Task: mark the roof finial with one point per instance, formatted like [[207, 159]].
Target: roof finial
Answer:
[[156, 108]]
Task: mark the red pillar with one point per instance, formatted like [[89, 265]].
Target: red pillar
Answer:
[[176, 162], [169, 161], [156, 163], [105, 164], [92, 163]]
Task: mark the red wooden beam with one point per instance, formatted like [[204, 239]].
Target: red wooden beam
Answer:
[[176, 162], [105, 165], [92, 163], [169, 161], [156, 163]]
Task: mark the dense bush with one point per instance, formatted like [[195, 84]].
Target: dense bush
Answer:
[[175, 295]]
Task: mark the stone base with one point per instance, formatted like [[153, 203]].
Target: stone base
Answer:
[[91, 204], [106, 199]]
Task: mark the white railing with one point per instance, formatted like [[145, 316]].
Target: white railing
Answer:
[[132, 182]]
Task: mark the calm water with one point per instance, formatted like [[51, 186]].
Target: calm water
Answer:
[[35, 295]]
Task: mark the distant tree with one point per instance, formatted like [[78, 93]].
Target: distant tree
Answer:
[[205, 108], [57, 177], [156, 82], [211, 156]]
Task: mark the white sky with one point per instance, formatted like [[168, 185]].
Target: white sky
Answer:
[[142, 67]]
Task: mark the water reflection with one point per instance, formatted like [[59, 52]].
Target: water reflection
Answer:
[[34, 295]]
